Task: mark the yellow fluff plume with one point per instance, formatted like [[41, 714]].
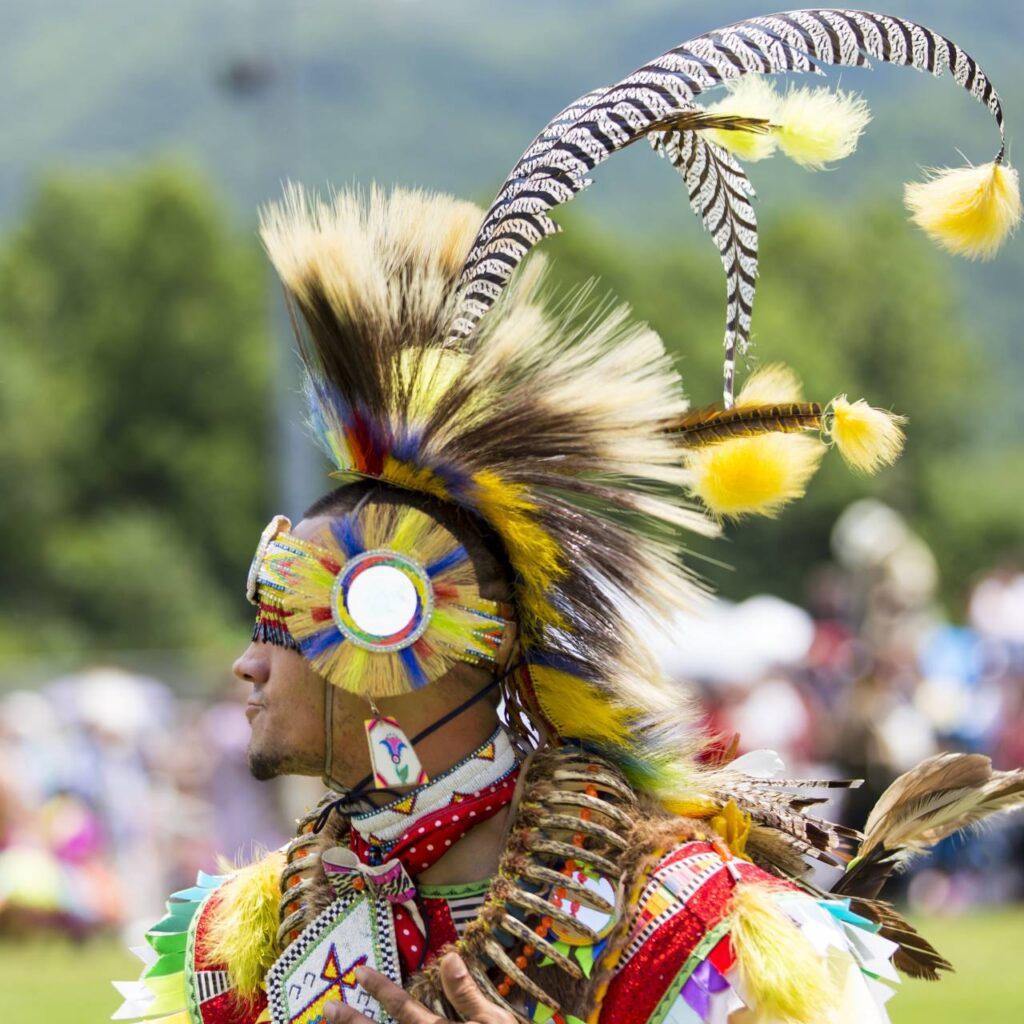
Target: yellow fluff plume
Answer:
[[817, 126], [867, 438], [749, 96], [784, 978], [242, 931], [967, 210], [753, 475], [771, 384]]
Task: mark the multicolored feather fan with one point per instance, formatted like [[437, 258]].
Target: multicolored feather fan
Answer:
[[384, 602], [433, 366], [551, 431]]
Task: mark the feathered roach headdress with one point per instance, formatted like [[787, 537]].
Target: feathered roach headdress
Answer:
[[432, 368]]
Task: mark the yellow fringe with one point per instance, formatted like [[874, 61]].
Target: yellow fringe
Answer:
[[867, 438], [753, 475], [818, 126], [576, 708], [533, 552], [781, 973], [968, 211], [242, 929]]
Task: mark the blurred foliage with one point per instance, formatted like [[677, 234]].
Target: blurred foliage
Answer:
[[856, 303], [132, 406]]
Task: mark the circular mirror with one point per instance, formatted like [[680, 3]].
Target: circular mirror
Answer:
[[382, 600]]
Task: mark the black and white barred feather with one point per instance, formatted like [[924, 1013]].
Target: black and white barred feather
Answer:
[[651, 99], [720, 194]]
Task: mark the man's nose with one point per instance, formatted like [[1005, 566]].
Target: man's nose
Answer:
[[253, 664]]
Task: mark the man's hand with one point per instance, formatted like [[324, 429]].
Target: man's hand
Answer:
[[459, 987]]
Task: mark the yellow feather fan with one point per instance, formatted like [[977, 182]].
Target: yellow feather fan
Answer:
[[242, 929], [386, 602]]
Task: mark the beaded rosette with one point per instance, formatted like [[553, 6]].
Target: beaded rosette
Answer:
[[384, 600]]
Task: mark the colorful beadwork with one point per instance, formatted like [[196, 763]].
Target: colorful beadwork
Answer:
[[383, 602], [680, 937], [393, 757]]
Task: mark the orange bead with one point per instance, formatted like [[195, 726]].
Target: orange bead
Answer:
[[591, 790], [359, 884], [521, 962], [577, 840], [586, 814], [546, 921], [528, 950]]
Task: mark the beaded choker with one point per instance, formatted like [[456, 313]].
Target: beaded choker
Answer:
[[419, 827]]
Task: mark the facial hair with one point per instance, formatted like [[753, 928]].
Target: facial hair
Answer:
[[264, 767]]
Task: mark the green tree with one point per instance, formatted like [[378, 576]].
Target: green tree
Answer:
[[133, 404]]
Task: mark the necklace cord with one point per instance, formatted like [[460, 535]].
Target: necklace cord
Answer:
[[361, 788]]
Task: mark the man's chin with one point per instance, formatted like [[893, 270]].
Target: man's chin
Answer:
[[263, 766]]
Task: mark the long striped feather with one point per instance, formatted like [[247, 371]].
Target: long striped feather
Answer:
[[556, 166], [720, 194]]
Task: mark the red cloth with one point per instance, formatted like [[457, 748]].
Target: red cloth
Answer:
[[424, 843]]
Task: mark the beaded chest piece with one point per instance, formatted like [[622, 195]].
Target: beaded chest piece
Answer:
[[374, 919]]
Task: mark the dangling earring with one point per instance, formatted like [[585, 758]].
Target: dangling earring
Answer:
[[391, 754]]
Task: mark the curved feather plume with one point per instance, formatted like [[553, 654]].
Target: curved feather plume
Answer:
[[942, 795], [555, 168], [916, 957]]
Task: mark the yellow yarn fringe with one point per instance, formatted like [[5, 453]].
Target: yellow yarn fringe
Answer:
[[818, 126], [753, 475], [242, 931], [968, 211], [867, 438], [780, 972]]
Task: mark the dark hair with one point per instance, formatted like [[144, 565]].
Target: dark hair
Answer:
[[493, 572]]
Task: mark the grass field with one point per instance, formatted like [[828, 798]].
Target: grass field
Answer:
[[60, 984]]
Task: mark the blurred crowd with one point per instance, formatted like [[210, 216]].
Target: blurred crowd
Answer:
[[114, 792]]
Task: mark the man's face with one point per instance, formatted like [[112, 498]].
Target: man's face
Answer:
[[286, 707]]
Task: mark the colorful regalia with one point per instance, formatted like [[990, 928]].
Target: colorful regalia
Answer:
[[641, 880]]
